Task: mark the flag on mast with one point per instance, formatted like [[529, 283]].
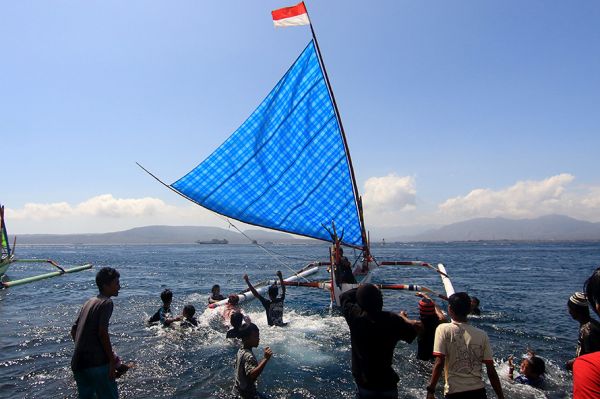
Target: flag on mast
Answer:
[[290, 16]]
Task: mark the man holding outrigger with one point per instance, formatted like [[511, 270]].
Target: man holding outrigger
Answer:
[[274, 305]]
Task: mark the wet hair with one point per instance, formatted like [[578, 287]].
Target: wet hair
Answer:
[[189, 310], [273, 291], [580, 310], [106, 275], [236, 319], [592, 289], [369, 298], [247, 329], [460, 303], [537, 365], [233, 299], [215, 287], [166, 296]]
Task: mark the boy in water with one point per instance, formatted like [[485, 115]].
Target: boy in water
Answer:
[[460, 349], [247, 368], [215, 294], [237, 318], [163, 313], [475, 306], [589, 329], [187, 316], [273, 306], [531, 371], [93, 361]]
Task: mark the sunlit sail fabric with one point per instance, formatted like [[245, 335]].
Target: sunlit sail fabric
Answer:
[[285, 167]]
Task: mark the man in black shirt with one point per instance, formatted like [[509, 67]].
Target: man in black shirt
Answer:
[[374, 334], [274, 305]]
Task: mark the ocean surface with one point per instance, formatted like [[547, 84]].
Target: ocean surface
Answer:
[[523, 288]]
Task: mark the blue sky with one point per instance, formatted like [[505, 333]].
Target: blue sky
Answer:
[[452, 109]]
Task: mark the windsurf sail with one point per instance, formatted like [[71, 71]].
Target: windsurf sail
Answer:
[[286, 167], [5, 250]]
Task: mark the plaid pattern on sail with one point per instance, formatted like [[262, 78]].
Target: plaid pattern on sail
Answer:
[[285, 167]]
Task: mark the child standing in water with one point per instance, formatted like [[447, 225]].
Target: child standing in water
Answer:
[[163, 314], [247, 368], [273, 306], [187, 316], [237, 318]]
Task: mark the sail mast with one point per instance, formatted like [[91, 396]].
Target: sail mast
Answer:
[[339, 120]]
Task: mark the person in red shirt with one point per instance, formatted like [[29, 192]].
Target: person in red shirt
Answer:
[[586, 368]]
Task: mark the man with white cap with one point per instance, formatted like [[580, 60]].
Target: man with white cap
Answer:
[[589, 329]]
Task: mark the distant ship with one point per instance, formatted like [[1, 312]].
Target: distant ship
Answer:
[[213, 241]]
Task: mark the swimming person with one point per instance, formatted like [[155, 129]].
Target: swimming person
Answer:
[[586, 368], [187, 316], [461, 349], [215, 294], [475, 306], [374, 334], [273, 306], [531, 370], [589, 329], [232, 306], [247, 368], [93, 362], [237, 318]]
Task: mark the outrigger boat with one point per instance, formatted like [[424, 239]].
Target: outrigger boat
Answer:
[[288, 168], [7, 257]]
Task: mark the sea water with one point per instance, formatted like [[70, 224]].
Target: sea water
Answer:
[[523, 288]]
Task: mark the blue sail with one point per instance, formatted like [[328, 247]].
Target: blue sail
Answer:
[[285, 167]]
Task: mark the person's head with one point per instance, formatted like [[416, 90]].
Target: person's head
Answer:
[[188, 311], [578, 307], [107, 280], [592, 290], [341, 251], [233, 299], [236, 319], [273, 291], [426, 309], [459, 306], [216, 290], [250, 335], [532, 367], [474, 302], [369, 298], [166, 297]]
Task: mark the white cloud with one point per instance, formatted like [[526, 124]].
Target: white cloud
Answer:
[[390, 193], [105, 213], [526, 199]]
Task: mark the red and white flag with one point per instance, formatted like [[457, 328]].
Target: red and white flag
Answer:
[[290, 16]]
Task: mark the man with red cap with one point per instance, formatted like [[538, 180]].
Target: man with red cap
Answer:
[[431, 316]]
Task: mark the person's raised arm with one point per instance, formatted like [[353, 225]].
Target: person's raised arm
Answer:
[[251, 287], [256, 371], [282, 284], [494, 380]]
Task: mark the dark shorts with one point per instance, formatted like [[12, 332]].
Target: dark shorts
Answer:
[[477, 394], [93, 382], [362, 393]]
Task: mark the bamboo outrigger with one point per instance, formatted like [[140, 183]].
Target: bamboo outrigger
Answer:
[[7, 257]]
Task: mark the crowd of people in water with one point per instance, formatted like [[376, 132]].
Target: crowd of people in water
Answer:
[[456, 348]]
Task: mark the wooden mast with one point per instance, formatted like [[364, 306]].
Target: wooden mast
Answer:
[[345, 141]]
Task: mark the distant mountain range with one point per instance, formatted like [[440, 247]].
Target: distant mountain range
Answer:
[[160, 235], [545, 228]]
